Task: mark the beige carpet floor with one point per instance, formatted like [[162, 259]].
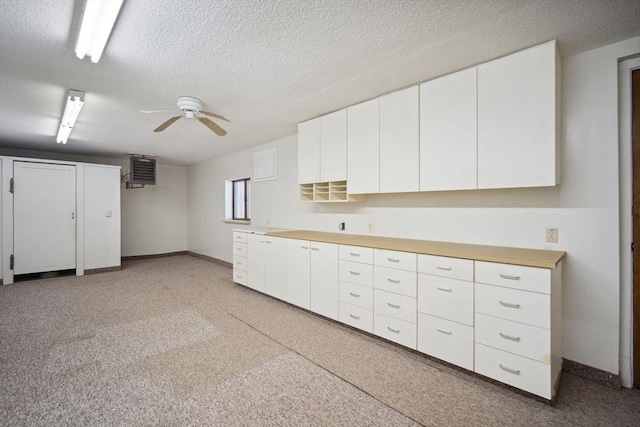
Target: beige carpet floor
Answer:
[[173, 341]]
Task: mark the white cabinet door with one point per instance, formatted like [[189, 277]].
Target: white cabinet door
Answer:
[[333, 146], [275, 280], [324, 279], [399, 142], [297, 259], [517, 117], [101, 216], [448, 132], [44, 217], [256, 262], [309, 151], [363, 147]]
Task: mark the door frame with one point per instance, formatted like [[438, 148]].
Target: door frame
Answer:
[[626, 354], [7, 213]]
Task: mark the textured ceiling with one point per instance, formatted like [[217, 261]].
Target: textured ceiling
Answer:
[[264, 64]]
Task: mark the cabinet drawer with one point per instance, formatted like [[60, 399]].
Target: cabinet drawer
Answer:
[[355, 316], [240, 249], [518, 371], [239, 236], [532, 279], [356, 253], [362, 296], [395, 259], [446, 340], [520, 306], [454, 268], [450, 299], [397, 281], [240, 276], [394, 305], [525, 340], [395, 330], [239, 262], [355, 272]]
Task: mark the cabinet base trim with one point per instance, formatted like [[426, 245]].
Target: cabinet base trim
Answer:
[[593, 374], [103, 270]]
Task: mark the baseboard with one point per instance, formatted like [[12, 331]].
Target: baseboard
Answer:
[[210, 259], [102, 270], [134, 257], [593, 374]]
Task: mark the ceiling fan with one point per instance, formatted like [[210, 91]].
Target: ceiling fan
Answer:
[[191, 108]]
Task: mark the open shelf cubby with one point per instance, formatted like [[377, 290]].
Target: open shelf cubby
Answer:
[[330, 191]]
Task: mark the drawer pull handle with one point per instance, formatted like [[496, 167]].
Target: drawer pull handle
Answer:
[[267, 241], [304, 247], [354, 254], [238, 276], [443, 289], [393, 260], [315, 249], [393, 305], [354, 316], [443, 268], [508, 304], [354, 295], [509, 337], [444, 331], [238, 249], [511, 371], [393, 281], [395, 331], [355, 273], [506, 276]]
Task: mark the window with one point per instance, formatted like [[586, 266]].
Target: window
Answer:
[[238, 199]]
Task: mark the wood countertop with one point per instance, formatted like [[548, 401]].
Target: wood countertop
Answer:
[[520, 256]]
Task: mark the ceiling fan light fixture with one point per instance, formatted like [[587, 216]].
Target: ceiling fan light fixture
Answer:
[[75, 101], [98, 20]]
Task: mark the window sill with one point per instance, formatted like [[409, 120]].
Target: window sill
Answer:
[[236, 221]]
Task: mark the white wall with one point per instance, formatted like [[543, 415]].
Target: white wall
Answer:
[[584, 208]]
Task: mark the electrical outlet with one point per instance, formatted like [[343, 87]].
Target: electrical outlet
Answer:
[[551, 235], [370, 227]]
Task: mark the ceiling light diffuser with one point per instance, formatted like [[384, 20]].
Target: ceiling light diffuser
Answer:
[[97, 22], [75, 101]]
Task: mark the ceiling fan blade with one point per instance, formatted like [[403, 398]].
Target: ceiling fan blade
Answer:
[[211, 125], [218, 116], [155, 111], [166, 124]]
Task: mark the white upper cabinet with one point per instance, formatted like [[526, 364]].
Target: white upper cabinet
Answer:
[[309, 151], [322, 149], [399, 141], [363, 149], [333, 146], [518, 114], [448, 132]]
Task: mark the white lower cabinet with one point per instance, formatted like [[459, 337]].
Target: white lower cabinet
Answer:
[[446, 340], [502, 321], [358, 317], [396, 330], [518, 331], [517, 371], [298, 268], [324, 279]]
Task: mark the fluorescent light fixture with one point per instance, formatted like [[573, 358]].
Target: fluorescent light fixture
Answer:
[[75, 101], [97, 22]]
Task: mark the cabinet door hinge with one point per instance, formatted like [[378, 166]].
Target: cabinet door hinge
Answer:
[[11, 262], [632, 246], [11, 186]]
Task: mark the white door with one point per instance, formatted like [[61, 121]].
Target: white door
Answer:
[[309, 151], [324, 279], [44, 211], [298, 278], [363, 147], [333, 146]]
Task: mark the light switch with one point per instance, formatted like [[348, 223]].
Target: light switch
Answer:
[[107, 213]]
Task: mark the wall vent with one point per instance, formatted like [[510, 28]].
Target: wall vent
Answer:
[[143, 171]]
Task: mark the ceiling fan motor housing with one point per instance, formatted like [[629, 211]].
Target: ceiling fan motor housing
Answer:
[[189, 103]]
